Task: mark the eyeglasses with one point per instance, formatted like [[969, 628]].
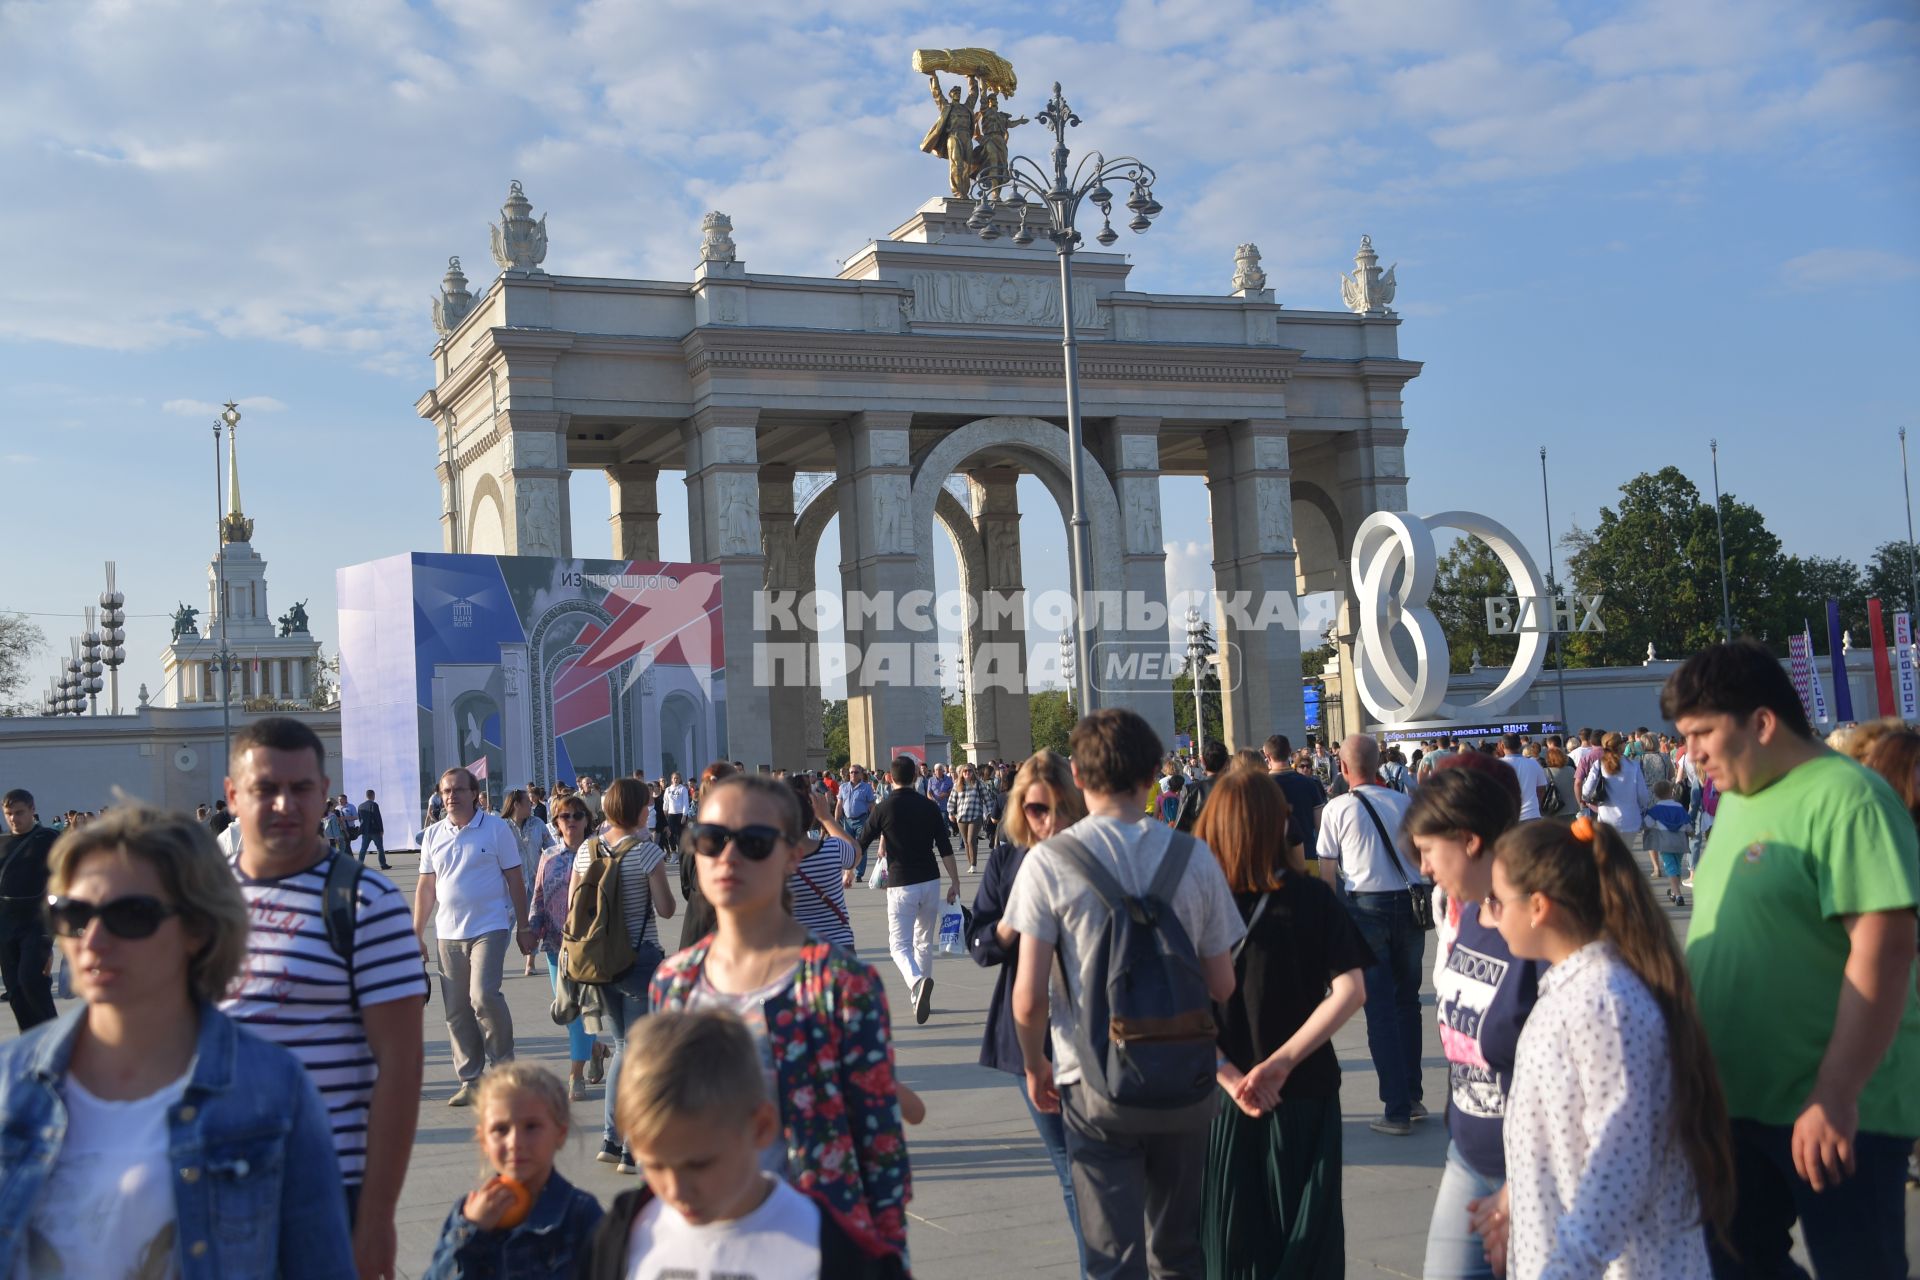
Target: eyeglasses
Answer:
[[571, 817], [1495, 905], [755, 843], [1035, 812], [131, 918]]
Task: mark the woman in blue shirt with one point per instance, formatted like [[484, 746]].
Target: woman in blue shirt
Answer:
[[157, 1137]]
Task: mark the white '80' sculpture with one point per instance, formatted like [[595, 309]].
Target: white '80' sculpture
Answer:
[[1392, 545]]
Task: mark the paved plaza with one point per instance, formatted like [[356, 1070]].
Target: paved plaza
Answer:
[[985, 1202]]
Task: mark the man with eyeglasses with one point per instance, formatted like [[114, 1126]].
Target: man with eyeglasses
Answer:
[[913, 826], [352, 1019], [472, 889], [854, 804], [26, 948]]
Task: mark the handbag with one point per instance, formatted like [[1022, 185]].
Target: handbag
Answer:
[[833, 906], [1419, 894]]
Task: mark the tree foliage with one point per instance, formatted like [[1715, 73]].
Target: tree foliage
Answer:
[[1889, 576], [19, 640], [833, 722], [1467, 575], [1051, 713], [953, 723], [1210, 701], [1655, 557]]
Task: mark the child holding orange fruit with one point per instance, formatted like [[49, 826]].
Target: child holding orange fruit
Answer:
[[525, 1220]]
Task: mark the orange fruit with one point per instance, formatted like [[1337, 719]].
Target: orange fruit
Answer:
[[522, 1203]]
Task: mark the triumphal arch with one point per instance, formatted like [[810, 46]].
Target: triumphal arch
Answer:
[[906, 393]]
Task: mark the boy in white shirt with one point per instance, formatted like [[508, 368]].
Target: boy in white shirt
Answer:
[[694, 1111]]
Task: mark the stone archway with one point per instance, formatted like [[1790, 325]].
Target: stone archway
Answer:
[[486, 532]]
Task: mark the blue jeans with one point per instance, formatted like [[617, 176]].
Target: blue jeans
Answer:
[[1454, 1252], [1857, 1229], [377, 840], [1053, 1133], [1385, 920], [854, 827], [626, 1005], [579, 1043]]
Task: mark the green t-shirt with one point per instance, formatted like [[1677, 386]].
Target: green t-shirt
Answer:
[[1767, 949]]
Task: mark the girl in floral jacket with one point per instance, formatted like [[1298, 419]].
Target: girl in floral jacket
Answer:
[[818, 1014]]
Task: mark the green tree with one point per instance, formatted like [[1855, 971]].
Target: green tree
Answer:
[[833, 721], [1468, 574], [953, 723], [1052, 716], [19, 640], [1210, 700], [1889, 578], [1812, 581], [1655, 557]]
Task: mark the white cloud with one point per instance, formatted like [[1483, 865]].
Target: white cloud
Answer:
[[1846, 268], [297, 174]]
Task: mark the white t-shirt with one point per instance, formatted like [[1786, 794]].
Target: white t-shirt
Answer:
[[469, 866], [1350, 838], [107, 1209], [1532, 777], [1054, 904], [676, 800], [778, 1241]]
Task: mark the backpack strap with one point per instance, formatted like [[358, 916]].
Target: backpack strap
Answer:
[[1081, 859], [1173, 865], [340, 904]]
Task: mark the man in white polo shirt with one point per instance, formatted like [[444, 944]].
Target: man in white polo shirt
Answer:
[[1533, 777], [471, 887]]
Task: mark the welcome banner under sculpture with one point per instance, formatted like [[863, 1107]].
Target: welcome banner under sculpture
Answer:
[[1393, 547]]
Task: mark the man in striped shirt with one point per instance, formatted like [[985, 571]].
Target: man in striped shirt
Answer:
[[354, 1021]]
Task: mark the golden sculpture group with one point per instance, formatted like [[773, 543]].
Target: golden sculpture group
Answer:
[[973, 142]]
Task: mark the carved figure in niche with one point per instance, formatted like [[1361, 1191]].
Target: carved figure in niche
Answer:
[[776, 546], [1003, 553], [887, 526], [1143, 524], [183, 621], [952, 134], [991, 128], [735, 537], [1275, 517]]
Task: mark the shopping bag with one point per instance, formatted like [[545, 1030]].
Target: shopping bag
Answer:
[[953, 936], [877, 878]]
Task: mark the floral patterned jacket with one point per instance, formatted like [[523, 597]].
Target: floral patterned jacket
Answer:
[[553, 886], [833, 1052]]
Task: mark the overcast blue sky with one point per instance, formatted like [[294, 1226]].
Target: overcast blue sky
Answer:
[[1620, 228]]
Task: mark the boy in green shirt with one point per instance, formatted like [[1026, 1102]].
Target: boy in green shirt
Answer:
[[1802, 949]]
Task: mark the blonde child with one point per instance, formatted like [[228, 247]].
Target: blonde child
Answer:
[[694, 1111], [1616, 1134], [525, 1220]]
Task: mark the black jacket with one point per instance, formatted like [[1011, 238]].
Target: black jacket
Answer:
[[23, 877], [370, 820], [1000, 1046], [845, 1254]]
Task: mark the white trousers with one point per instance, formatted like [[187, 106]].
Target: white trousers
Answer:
[[913, 926]]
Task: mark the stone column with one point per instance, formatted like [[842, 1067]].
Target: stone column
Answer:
[[532, 459], [1370, 470], [723, 516], [997, 657], [634, 488], [1249, 480], [1129, 449], [789, 681], [878, 564]]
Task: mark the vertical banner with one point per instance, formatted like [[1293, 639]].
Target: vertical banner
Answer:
[[1882, 673], [1842, 694], [1820, 713], [1905, 681], [1800, 664]]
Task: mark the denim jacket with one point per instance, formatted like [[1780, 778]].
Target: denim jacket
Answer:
[[256, 1185], [547, 1246]]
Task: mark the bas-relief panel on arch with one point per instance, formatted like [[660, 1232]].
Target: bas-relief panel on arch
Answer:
[[982, 297]]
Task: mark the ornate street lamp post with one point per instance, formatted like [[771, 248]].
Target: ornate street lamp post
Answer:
[[90, 657], [1067, 663], [1061, 195], [113, 638], [1726, 610], [223, 659]]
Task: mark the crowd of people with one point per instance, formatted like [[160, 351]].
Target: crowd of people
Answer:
[[236, 1090]]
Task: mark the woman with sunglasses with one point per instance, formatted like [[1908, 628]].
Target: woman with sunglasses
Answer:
[[147, 1134], [818, 1014], [1042, 800], [552, 891]]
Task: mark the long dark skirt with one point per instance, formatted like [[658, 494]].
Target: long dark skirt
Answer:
[[1272, 1200]]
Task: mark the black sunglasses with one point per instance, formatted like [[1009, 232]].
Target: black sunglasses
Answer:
[[755, 843], [1038, 810], [131, 918]]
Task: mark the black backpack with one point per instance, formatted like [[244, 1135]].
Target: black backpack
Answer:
[[1550, 798], [339, 904], [1144, 1026]]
